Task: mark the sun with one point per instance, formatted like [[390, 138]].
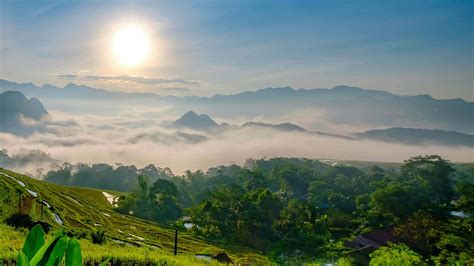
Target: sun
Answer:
[[130, 45]]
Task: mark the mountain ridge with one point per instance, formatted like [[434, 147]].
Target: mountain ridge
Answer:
[[29, 85], [342, 104], [418, 136]]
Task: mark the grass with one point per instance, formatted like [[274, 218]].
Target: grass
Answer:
[[11, 241], [83, 210]]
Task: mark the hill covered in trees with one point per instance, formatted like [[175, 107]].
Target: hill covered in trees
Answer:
[[304, 210]]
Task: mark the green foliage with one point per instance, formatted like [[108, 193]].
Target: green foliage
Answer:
[[309, 205], [465, 197], [73, 253], [425, 183], [430, 176], [34, 241], [394, 255], [422, 231], [36, 252], [22, 259], [345, 261], [302, 229], [55, 252]]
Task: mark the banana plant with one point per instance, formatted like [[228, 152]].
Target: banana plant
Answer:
[[58, 249]]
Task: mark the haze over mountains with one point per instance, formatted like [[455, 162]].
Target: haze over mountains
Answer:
[[78, 124], [341, 105]]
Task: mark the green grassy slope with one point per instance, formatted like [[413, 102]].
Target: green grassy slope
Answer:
[[83, 209]]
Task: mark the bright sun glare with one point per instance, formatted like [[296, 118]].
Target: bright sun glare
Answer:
[[130, 45]]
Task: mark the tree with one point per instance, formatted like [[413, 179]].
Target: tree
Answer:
[[430, 175], [163, 200], [422, 231], [465, 200], [293, 179], [301, 228], [394, 201], [254, 179], [424, 184]]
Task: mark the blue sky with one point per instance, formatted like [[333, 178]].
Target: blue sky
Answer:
[[405, 47]]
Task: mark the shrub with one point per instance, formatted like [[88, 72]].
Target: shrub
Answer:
[[398, 254], [98, 237], [18, 220], [345, 261]]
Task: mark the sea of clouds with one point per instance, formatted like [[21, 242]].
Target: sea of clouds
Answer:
[[138, 138]]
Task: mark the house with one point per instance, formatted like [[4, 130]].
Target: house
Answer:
[[373, 239], [364, 244]]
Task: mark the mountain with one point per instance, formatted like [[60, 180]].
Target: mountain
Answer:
[[342, 105], [281, 127], [14, 106], [289, 127], [204, 123], [345, 105], [194, 121], [418, 136], [15, 103], [82, 210]]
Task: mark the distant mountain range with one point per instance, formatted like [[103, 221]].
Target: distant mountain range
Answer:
[[342, 105], [408, 136], [14, 106], [418, 136]]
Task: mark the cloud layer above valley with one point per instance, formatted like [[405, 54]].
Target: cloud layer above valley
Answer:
[[139, 141]]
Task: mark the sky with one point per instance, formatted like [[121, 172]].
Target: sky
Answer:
[[225, 47]]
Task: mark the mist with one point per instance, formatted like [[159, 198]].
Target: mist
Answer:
[[129, 139]]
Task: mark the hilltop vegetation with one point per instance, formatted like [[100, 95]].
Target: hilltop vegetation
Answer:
[[304, 210]]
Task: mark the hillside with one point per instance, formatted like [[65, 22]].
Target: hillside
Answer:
[[419, 136], [84, 210], [282, 127]]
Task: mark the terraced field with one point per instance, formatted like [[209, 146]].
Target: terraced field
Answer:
[[82, 210]]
